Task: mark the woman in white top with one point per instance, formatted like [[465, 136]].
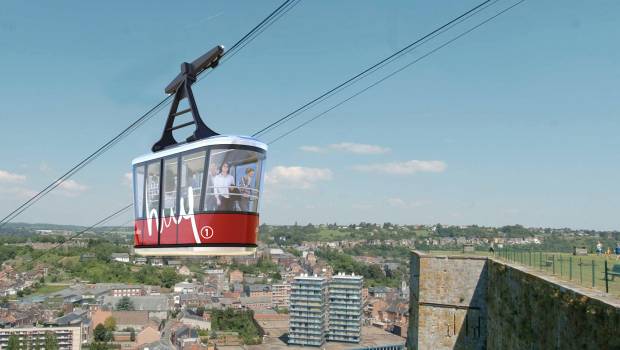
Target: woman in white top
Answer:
[[222, 184]]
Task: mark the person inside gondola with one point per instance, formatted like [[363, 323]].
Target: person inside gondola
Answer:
[[223, 184], [246, 190]]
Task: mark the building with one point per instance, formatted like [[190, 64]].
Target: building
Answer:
[[184, 271], [307, 312], [120, 257], [185, 288], [345, 308], [256, 303], [69, 338], [258, 290], [156, 305], [236, 276], [281, 295], [127, 291], [195, 321]]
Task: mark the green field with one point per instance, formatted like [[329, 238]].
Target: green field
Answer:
[[50, 288], [586, 271]]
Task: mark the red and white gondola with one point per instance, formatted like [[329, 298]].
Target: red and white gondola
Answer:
[[199, 197]]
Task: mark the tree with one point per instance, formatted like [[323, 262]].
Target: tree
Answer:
[[125, 304], [98, 346], [51, 342], [13, 343], [101, 333], [169, 277], [110, 324]]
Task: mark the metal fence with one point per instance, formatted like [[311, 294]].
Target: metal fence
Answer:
[[595, 271]]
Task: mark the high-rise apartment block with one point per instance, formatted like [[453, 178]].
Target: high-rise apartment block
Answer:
[[345, 308], [321, 310], [308, 311]]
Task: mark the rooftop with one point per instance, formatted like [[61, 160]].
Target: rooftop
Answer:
[[371, 337]]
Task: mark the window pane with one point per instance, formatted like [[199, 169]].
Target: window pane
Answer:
[[152, 188], [192, 171], [138, 191], [170, 187], [233, 182]]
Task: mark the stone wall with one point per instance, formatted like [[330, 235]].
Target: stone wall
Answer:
[[447, 302], [462, 302], [526, 311]]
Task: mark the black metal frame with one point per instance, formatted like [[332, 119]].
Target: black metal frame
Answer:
[[181, 86]]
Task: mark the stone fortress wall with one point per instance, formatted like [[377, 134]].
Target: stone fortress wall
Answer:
[[461, 302]]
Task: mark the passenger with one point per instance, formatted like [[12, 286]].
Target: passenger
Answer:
[[246, 190], [210, 201], [223, 183]]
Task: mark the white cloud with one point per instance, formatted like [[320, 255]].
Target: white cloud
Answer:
[[8, 177], [404, 168], [347, 147], [312, 149], [45, 168], [401, 203], [18, 192], [298, 177], [70, 188], [359, 148]]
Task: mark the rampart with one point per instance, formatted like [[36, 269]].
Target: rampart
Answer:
[[461, 302]]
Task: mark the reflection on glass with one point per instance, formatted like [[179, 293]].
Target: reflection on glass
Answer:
[[170, 187], [192, 171], [152, 188], [138, 185], [233, 181]]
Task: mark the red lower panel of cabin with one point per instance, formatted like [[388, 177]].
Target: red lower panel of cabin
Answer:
[[197, 230]]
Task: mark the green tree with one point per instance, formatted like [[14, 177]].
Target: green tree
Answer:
[[169, 277], [13, 343], [125, 304], [98, 346], [101, 333], [110, 324], [51, 342]]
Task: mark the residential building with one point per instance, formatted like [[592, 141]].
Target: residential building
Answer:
[[236, 276], [148, 335], [185, 288], [307, 312], [195, 321], [127, 291], [184, 271], [345, 308], [120, 257], [184, 335], [280, 295], [256, 303], [258, 290], [69, 338], [156, 262]]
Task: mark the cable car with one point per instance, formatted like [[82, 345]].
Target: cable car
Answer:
[[200, 196]]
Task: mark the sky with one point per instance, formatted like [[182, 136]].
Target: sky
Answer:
[[515, 123]]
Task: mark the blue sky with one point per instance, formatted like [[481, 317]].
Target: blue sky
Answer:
[[515, 123]]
